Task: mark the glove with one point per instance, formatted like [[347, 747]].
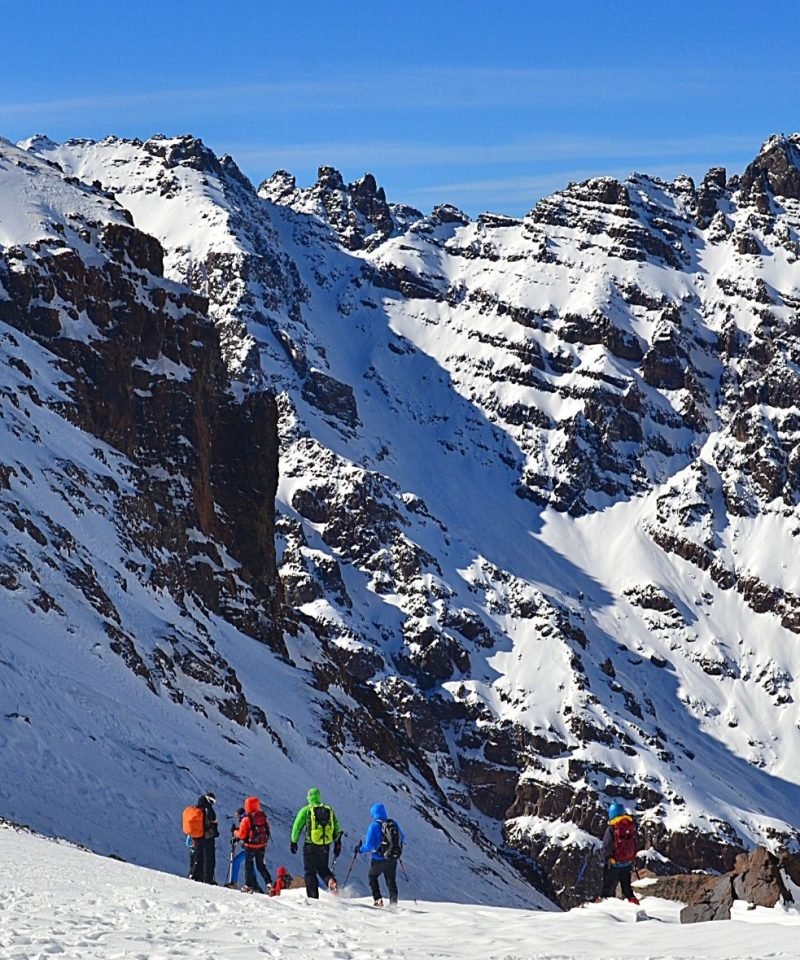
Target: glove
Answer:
[[337, 846], [293, 847]]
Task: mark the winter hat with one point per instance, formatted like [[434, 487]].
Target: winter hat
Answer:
[[240, 812], [615, 810], [282, 871], [314, 796], [210, 796]]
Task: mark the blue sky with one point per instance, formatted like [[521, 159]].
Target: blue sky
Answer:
[[487, 105]]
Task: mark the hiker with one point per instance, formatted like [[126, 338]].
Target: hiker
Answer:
[[384, 839], [283, 880], [235, 860], [254, 832], [203, 858], [620, 846], [321, 828]]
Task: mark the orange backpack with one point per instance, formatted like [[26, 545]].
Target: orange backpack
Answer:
[[194, 822]]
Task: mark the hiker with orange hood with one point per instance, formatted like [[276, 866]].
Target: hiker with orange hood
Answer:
[[254, 832]]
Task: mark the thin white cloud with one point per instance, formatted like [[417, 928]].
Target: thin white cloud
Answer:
[[421, 90], [399, 154]]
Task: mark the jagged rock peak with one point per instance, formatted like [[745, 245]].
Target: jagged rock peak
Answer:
[[447, 213], [329, 178], [184, 150], [279, 188], [776, 170]]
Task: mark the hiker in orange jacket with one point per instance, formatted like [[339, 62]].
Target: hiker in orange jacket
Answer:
[[254, 832]]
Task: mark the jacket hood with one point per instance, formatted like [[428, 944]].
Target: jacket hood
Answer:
[[378, 812], [314, 796], [615, 810], [252, 804], [281, 871]]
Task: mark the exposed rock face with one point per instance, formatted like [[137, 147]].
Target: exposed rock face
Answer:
[[755, 879], [145, 375]]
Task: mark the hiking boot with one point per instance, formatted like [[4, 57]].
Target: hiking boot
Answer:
[[633, 900], [377, 903]]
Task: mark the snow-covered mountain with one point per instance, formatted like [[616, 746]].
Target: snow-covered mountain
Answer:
[[536, 499]]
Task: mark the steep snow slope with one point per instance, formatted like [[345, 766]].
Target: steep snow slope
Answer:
[[539, 479]]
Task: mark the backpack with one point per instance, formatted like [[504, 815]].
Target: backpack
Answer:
[[625, 844], [391, 842], [194, 823], [259, 829], [321, 825]]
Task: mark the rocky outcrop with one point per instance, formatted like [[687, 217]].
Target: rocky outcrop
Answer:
[[755, 880]]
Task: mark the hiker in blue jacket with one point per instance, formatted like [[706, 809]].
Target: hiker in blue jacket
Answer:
[[384, 839]]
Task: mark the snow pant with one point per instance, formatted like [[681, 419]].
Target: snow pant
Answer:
[[315, 862], [614, 874], [389, 870], [254, 858], [203, 861]]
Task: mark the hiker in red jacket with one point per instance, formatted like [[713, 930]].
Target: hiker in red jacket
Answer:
[[620, 846], [283, 880], [254, 833]]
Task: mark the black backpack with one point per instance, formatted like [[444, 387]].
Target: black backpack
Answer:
[[391, 842], [321, 825]]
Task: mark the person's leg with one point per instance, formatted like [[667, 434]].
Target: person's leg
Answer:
[[323, 869], [625, 883], [211, 860], [200, 860], [262, 867], [249, 871], [609, 881], [375, 867], [390, 870], [310, 870]]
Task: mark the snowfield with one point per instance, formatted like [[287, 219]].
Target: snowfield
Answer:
[[62, 901]]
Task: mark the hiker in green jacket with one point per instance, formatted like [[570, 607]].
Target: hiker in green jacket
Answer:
[[322, 828]]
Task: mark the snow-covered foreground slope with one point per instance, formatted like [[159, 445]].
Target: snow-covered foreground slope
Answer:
[[61, 901]]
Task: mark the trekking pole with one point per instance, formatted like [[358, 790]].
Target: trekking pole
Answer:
[[229, 878], [350, 868], [403, 868], [583, 870]]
